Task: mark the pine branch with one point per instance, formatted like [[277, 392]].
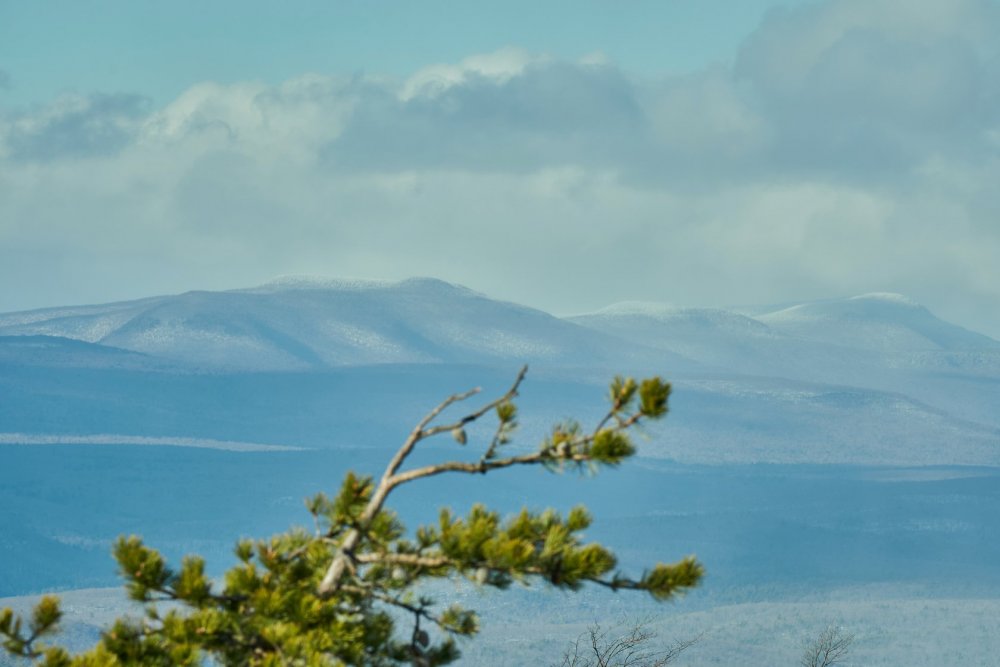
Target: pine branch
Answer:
[[340, 562]]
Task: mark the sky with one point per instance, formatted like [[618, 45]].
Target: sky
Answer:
[[564, 155]]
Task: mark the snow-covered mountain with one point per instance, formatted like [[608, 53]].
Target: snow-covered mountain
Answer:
[[722, 340], [301, 323], [308, 323], [884, 342]]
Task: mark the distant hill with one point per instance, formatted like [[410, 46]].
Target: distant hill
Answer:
[[822, 336], [37, 350], [879, 321], [884, 342]]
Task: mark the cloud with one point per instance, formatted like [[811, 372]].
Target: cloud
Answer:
[[853, 146], [870, 87], [514, 116], [75, 126], [297, 115], [500, 66]]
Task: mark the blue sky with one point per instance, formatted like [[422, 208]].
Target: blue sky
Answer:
[[563, 155], [161, 49]]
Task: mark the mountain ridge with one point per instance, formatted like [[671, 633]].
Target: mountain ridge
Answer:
[[298, 322], [796, 383]]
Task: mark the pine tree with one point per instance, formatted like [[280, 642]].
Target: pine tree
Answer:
[[335, 596]]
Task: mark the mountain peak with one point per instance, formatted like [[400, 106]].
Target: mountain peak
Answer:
[[310, 281], [887, 297], [297, 282], [649, 308], [870, 306]]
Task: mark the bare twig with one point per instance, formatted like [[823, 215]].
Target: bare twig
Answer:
[[571, 454], [830, 648], [599, 647]]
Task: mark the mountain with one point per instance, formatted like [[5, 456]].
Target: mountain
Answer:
[[869, 379], [302, 324], [308, 323], [722, 340], [873, 328]]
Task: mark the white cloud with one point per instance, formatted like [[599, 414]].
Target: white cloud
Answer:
[[497, 67], [294, 116]]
